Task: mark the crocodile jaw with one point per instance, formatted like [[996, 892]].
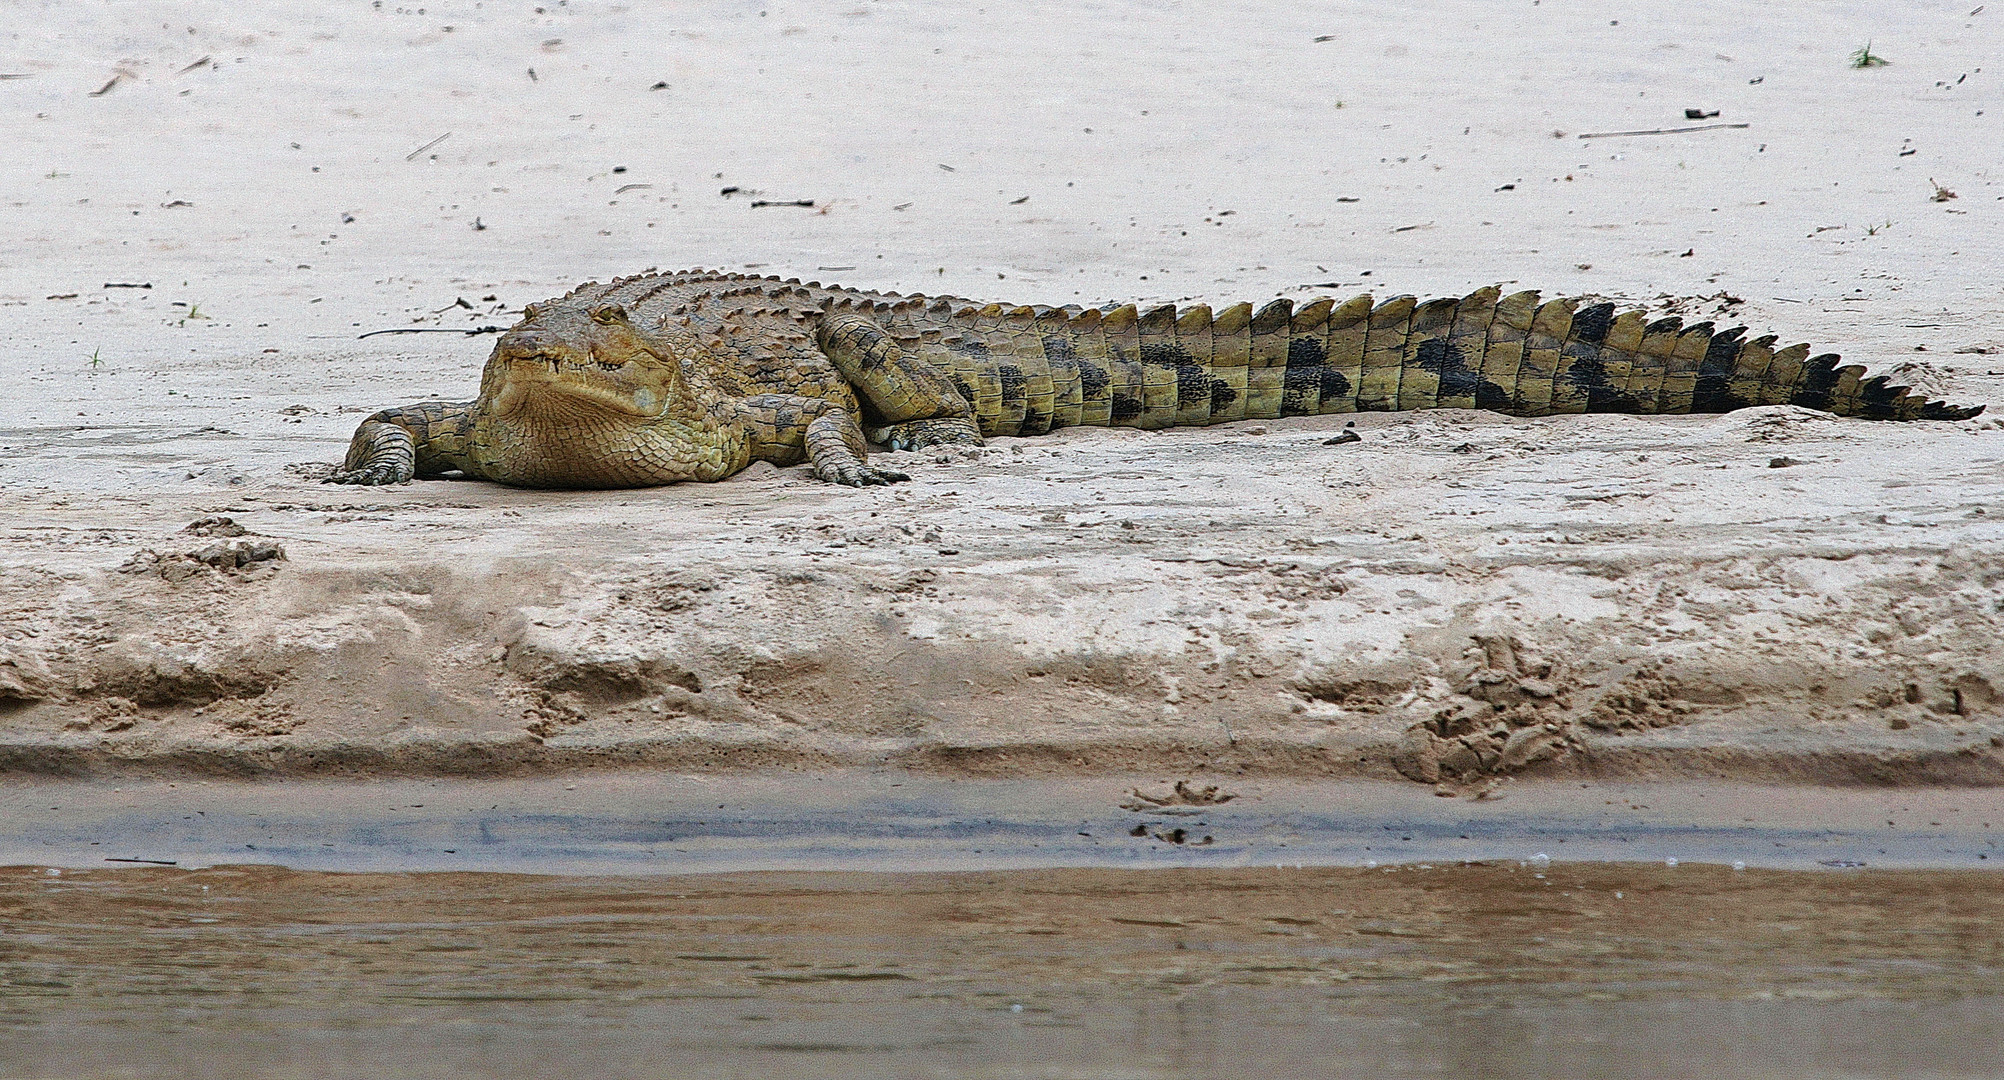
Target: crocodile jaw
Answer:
[[556, 435], [527, 382]]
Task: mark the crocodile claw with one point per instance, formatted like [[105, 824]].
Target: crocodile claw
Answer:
[[381, 475], [858, 475]]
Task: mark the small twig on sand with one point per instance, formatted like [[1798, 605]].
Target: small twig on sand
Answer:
[[153, 862], [434, 330], [128, 284], [199, 63], [413, 155], [780, 202], [10, 75], [1661, 131], [106, 88]]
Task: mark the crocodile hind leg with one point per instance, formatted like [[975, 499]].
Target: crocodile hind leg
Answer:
[[424, 440], [919, 405], [787, 428], [919, 434]]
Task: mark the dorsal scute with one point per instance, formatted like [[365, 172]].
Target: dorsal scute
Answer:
[[1431, 314], [1276, 315], [1352, 311], [1158, 319], [1232, 319], [1484, 296], [1516, 309], [1625, 332], [1397, 307], [1310, 319]]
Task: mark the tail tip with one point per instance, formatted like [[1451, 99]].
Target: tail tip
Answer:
[[1942, 410]]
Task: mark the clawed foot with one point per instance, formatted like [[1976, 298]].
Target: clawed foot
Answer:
[[919, 434], [377, 475], [857, 474]]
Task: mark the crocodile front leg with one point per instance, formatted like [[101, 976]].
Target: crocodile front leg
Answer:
[[919, 405], [787, 428], [427, 439]]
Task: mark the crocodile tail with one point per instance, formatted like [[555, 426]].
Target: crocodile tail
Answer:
[[1029, 370], [1518, 355]]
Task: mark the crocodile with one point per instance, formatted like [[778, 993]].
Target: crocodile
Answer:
[[665, 377]]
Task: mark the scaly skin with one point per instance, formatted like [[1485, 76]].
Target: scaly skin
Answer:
[[661, 378]]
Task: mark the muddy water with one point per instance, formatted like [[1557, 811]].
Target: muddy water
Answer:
[[1583, 970]]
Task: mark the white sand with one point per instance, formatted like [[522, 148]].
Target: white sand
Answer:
[[1276, 605]]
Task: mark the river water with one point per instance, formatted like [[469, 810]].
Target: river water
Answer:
[[883, 924], [1484, 970]]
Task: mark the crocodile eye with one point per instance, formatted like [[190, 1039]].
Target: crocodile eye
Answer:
[[610, 313]]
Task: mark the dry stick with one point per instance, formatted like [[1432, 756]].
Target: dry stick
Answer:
[[155, 862], [434, 330], [1661, 131], [413, 155]]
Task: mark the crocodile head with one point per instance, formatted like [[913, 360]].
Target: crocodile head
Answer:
[[562, 359]]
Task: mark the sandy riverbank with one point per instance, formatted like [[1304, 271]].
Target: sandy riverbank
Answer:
[[1607, 596]]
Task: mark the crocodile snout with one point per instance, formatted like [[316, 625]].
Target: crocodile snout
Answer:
[[526, 345]]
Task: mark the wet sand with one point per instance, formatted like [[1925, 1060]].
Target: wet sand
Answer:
[[883, 820], [1485, 970]]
